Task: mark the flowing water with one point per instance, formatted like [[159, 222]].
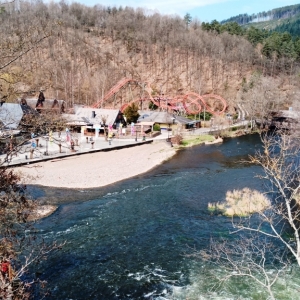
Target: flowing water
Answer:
[[131, 240]]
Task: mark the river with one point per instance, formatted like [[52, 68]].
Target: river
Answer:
[[131, 240]]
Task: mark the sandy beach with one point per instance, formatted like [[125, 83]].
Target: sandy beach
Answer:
[[97, 169]]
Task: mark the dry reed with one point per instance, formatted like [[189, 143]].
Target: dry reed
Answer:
[[241, 203]]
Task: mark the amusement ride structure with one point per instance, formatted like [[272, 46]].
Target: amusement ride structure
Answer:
[[190, 103]]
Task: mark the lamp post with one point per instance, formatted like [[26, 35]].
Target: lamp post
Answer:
[[135, 134], [169, 129], [46, 152]]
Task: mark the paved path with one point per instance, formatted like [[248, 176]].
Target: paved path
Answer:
[[49, 150]]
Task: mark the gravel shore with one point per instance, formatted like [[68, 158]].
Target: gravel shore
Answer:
[[97, 169]]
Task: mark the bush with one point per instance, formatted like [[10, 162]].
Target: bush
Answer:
[[205, 116], [156, 127], [235, 116], [241, 203], [152, 106], [177, 139], [131, 113]]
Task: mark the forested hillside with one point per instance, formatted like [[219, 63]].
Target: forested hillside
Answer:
[[291, 26], [274, 14], [272, 43], [77, 53], [283, 20]]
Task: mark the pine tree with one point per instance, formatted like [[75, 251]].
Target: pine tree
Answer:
[[131, 113]]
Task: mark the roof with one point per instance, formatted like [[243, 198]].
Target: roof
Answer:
[[8, 133], [48, 103], [163, 118], [291, 114], [72, 119], [156, 116], [28, 110], [11, 115], [146, 123], [87, 115], [183, 120]]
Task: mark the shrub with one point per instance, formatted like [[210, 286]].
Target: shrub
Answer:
[[156, 127], [235, 116], [241, 203], [131, 113], [177, 139]]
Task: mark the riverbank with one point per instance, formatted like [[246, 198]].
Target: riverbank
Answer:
[[100, 168], [97, 169]]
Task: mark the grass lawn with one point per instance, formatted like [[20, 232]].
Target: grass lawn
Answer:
[[196, 140]]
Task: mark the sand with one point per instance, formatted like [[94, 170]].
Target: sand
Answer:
[[97, 169]]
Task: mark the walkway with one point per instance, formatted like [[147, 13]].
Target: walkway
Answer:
[[47, 150]]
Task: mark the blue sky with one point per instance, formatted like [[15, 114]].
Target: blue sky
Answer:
[[204, 10]]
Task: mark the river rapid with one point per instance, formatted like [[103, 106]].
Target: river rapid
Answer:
[[132, 240]]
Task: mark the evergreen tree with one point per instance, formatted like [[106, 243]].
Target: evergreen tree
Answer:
[[187, 19], [255, 36], [131, 113]]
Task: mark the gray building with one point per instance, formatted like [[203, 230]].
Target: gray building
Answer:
[[166, 120]]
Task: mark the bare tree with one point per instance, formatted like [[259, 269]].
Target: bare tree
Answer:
[[269, 238], [281, 165], [259, 97], [250, 256], [20, 247]]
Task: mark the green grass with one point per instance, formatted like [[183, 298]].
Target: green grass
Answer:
[[191, 141]]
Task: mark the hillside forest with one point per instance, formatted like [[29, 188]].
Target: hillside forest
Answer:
[[274, 14], [77, 53]]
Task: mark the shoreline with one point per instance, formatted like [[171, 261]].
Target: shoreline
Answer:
[[97, 169]]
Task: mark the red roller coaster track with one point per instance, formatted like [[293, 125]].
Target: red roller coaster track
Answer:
[[191, 102]]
